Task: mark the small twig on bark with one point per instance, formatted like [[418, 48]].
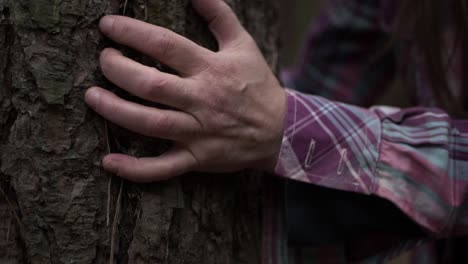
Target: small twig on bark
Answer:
[[10, 205], [8, 235], [125, 7], [119, 196], [115, 223], [146, 11], [117, 205], [166, 257], [109, 184], [9, 227]]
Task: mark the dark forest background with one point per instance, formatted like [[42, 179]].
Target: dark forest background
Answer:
[[296, 18]]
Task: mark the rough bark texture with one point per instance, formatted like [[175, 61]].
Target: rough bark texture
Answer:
[[53, 193]]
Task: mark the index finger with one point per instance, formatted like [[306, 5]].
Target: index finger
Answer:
[[169, 48]]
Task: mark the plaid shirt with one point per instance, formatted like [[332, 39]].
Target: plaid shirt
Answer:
[[416, 158]]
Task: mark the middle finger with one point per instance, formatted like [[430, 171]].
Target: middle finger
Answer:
[[146, 82]]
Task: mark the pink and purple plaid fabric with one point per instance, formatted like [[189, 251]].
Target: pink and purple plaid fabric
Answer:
[[416, 157]]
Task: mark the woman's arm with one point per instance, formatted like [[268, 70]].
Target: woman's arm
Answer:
[[417, 158]]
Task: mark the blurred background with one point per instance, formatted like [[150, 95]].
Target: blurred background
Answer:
[[296, 17]]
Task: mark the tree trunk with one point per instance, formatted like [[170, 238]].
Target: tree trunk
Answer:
[[56, 203]]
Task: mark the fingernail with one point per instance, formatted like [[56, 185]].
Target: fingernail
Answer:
[[109, 164], [106, 24], [92, 97]]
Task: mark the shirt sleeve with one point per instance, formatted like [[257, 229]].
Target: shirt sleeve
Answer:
[[417, 157], [346, 55]]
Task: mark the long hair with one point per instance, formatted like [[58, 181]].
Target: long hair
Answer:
[[424, 21]]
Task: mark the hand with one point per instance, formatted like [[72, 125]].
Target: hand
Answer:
[[230, 107]]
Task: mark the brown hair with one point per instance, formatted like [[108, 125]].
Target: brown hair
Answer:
[[424, 21]]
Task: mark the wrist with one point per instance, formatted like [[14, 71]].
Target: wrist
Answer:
[[276, 132]]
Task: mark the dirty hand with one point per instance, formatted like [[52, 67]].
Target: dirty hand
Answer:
[[229, 105]]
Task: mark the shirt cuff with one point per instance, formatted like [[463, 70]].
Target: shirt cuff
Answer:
[[329, 144]]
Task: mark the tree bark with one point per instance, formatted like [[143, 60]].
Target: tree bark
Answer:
[[56, 203]]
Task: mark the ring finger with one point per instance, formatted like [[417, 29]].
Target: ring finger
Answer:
[[149, 121]]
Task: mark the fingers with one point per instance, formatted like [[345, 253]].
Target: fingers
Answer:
[[171, 49], [145, 120], [145, 82], [222, 20], [171, 164]]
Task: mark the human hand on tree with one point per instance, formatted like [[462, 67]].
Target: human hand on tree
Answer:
[[229, 105]]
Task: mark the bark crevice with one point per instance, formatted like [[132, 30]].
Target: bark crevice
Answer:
[[10, 216]]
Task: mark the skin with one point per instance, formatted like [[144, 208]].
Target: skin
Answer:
[[230, 107]]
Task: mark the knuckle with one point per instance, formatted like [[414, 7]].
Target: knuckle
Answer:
[[159, 42], [105, 59], [223, 67], [219, 103], [158, 83], [150, 126], [255, 137], [226, 71], [148, 40], [108, 105], [110, 108], [166, 123], [118, 27], [151, 85], [135, 171], [197, 96], [157, 123], [167, 43], [99, 105]]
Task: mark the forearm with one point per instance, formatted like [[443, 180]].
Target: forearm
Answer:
[[412, 157]]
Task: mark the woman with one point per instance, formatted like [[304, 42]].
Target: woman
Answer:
[[233, 114], [413, 157]]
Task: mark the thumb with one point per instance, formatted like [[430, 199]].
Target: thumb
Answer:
[[221, 19]]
